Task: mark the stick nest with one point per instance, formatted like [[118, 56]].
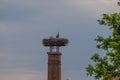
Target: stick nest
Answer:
[[55, 42]]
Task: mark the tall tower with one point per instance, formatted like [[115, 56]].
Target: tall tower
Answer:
[[54, 56]]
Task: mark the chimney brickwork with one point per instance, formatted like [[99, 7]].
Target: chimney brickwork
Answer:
[[54, 66]]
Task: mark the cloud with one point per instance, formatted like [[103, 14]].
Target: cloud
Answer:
[[24, 23], [24, 76], [7, 28], [16, 67], [47, 13]]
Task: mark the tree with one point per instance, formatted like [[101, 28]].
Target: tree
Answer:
[[107, 66]]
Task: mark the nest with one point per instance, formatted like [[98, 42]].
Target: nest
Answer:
[[55, 42]]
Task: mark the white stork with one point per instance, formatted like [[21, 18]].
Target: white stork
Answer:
[[57, 36]]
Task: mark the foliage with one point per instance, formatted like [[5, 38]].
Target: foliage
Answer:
[[107, 66], [119, 2]]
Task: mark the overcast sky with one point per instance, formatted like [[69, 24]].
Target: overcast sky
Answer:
[[24, 23]]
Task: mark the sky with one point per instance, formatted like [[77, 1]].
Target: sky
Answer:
[[24, 23]]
